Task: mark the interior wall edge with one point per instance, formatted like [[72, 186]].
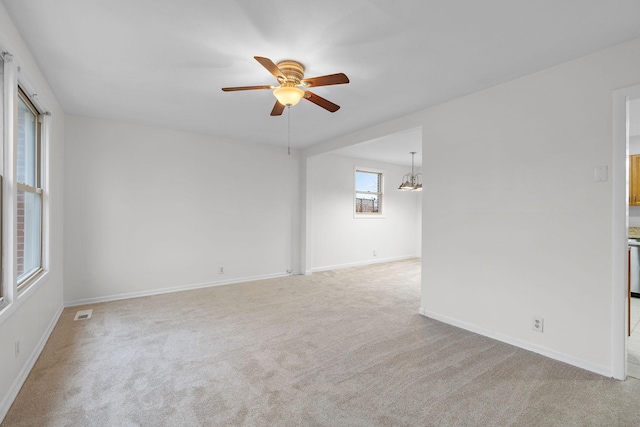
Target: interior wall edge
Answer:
[[553, 162]]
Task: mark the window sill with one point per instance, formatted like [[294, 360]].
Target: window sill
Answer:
[[30, 281], [7, 308], [368, 216]]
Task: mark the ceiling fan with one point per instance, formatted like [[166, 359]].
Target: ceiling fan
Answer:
[[292, 88]]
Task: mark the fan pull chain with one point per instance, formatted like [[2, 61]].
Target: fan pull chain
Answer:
[[288, 130]]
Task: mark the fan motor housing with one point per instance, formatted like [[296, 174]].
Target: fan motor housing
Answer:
[[293, 71]]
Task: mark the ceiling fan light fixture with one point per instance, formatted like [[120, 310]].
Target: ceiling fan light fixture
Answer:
[[288, 95], [290, 75]]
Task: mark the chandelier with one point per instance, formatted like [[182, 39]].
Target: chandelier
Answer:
[[411, 181]]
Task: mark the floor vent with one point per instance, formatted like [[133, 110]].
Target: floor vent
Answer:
[[83, 314]]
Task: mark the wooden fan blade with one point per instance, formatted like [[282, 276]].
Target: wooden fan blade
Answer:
[[320, 101], [233, 89], [271, 67], [330, 79], [277, 109]]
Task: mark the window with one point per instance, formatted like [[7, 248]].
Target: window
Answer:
[[368, 193], [28, 192]]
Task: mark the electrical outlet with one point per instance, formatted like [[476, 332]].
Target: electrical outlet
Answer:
[[221, 270], [537, 324], [17, 349]]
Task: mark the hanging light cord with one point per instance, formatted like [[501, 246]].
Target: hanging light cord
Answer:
[[288, 130]]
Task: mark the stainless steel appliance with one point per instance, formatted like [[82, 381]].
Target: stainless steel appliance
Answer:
[[634, 267]]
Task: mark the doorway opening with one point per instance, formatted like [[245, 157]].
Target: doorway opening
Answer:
[[624, 216], [633, 168], [338, 233]]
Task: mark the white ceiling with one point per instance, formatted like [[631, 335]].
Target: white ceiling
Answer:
[[163, 62]]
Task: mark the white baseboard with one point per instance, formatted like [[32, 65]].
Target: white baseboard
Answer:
[[161, 291], [360, 263], [13, 391], [552, 354]]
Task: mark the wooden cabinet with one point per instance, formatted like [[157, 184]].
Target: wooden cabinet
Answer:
[[634, 180]]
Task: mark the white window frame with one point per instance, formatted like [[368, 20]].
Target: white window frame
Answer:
[[3, 282], [380, 194], [14, 78], [34, 275]]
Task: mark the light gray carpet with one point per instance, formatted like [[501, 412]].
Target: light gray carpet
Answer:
[[339, 348]]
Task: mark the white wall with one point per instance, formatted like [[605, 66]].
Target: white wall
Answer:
[[514, 224], [337, 238], [31, 316], [151, 210], [634, 144]]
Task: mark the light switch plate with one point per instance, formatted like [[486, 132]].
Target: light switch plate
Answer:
[[601, 174]]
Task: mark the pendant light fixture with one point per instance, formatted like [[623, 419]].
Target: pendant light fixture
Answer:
[[411, 181]]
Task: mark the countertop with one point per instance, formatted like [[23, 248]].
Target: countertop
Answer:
[[634, 232]]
